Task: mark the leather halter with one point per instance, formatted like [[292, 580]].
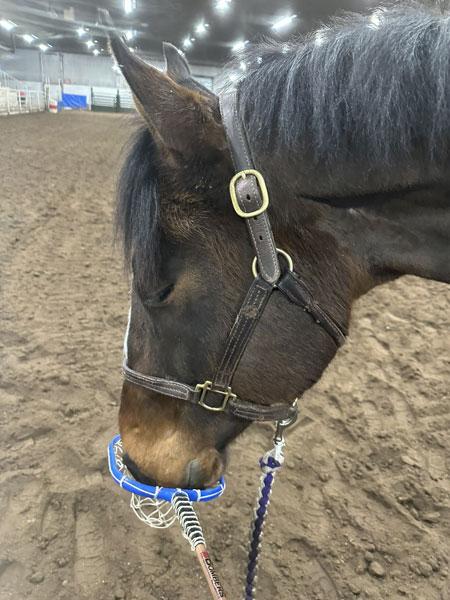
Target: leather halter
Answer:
[[250, 200]]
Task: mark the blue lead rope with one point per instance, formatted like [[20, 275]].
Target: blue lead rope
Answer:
[[270, 463], [181, 500]]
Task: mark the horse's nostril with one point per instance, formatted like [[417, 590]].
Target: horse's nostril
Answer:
[[194, 474], [204, 471]]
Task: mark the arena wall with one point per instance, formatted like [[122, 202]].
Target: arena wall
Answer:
[[79, 69]]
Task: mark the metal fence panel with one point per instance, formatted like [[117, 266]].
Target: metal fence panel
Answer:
[[13, 101]]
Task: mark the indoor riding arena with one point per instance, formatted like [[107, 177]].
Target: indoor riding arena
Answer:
[[361, 508]]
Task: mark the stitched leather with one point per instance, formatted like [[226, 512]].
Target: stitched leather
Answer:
[[181, 391], [294, 288], [167, 387], [247, 191], [248, 316]]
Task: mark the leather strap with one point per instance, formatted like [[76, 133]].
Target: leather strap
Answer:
[[247, 190], [166, 387], [248, 316], [294, 288], [215, 398]]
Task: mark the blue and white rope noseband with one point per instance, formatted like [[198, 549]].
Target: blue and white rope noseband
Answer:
[[122, 478]]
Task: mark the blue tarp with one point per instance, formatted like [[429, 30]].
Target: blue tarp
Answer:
[[74, 101]]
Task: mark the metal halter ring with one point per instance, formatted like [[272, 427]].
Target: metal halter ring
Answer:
[[282, 252]]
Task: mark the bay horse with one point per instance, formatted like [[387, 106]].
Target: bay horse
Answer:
[[350, 127]]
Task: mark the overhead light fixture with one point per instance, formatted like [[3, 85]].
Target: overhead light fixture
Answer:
[[187, 42], [201, 28], [95, 51], [28, 38], [89, 44], [7, 24], [129, 35], [44, 47], [223, 6], [239, 45], [129, 6], [283, 23], [81, 31]]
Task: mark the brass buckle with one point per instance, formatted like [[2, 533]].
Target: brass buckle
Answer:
[[208, 386], [262, 187]]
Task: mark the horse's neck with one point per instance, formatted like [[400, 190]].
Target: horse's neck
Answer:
[[399, 234]]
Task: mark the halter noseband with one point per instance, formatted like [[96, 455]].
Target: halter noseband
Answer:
[[250, 200]]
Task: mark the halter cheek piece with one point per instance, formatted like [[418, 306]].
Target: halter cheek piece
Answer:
[[250, 200]]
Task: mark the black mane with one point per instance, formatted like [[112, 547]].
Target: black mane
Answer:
[[361, 105], [137, 215], [368, 92]]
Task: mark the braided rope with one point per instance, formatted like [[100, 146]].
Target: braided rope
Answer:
[[269, 463], [192, 531], [189, 522]]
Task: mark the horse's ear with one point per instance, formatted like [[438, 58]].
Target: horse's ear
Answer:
[[182, 120], [177, 67]]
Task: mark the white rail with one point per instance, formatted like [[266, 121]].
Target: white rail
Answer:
[[17, 101], [8, 81]]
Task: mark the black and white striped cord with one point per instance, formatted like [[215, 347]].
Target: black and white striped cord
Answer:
[[192, 531], [189, 522]]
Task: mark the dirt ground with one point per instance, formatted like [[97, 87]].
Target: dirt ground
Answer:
[[362, 509]]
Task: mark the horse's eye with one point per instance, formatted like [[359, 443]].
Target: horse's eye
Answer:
[[159, 297]]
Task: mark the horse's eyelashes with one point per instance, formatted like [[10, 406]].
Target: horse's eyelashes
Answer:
[[159, 298]]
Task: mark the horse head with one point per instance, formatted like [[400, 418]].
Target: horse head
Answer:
[[190, 256]]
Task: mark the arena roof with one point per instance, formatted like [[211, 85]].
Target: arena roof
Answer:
[[207, 30]]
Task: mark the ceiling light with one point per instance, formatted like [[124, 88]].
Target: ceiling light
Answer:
[[129, 35], [28, 38], [129, 6], [89, 44], [6, 24], [81, 31], [201, 28], [223, 6], [187, 42], [44, 47], [283, 23], [96, 52], [239, 45]]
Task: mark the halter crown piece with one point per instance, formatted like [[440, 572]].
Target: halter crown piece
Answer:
[[160, 507]]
